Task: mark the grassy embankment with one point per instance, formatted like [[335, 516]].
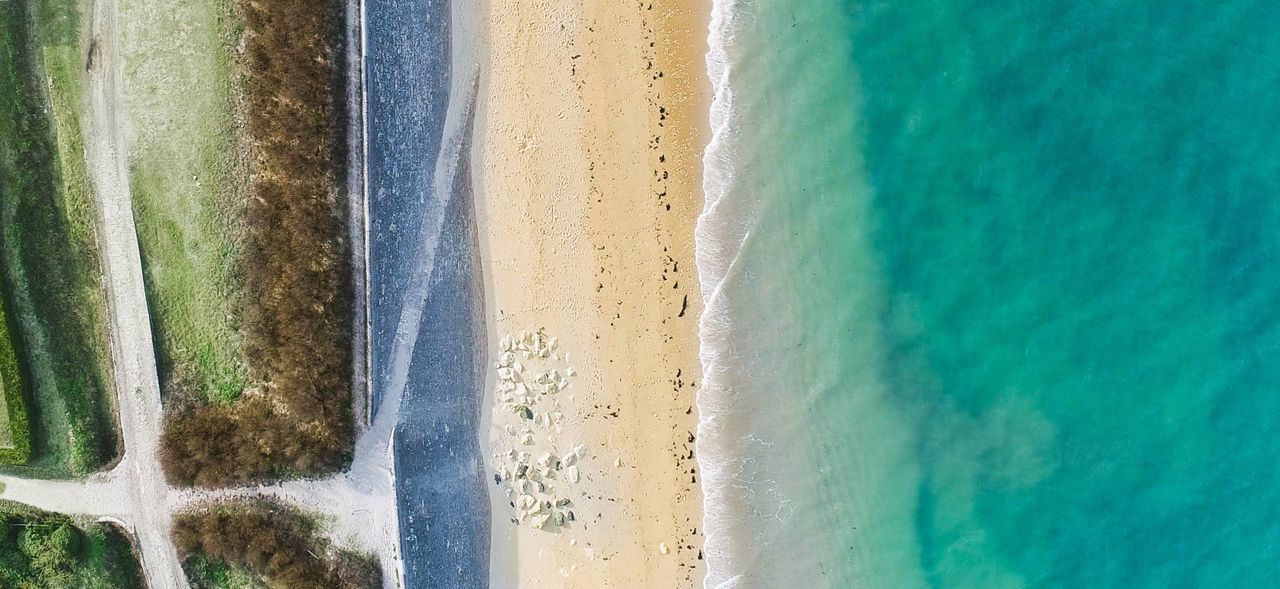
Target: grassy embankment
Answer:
[[258, 543], [296, 420], [45, 550], [188, 186], [56, 309]]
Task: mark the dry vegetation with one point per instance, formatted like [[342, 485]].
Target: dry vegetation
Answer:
[[277, 544], [298, 280]]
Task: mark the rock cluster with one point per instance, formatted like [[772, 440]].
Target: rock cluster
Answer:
[[535, 474]]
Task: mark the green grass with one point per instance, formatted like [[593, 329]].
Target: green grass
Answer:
[[217, 574], [47, 550], [17, 432], [47, 246], [188, 188]]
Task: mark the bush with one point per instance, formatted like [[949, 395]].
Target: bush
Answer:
[[48, 550], [276, 543], [298, 275]]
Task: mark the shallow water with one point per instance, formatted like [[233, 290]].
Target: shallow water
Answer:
[[1005, 300]]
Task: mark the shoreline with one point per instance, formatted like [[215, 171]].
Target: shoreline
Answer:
[[589, 139]]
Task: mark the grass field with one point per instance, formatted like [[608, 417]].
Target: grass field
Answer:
[[188, 188], [47, 242], [46, 550]]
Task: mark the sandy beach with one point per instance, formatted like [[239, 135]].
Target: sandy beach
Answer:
[[588, 139]]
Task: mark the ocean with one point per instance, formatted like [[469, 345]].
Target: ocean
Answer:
[[992, 294]]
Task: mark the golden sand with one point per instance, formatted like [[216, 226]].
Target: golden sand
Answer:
[[589, 137]]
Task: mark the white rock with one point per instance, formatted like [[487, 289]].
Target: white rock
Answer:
[[570, 371], [662, 547], [569, 459], [506, 343], [572, 474]]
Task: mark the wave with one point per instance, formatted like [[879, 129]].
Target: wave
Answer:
[[719, 242]]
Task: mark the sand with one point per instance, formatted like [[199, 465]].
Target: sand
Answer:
[[590, 128]]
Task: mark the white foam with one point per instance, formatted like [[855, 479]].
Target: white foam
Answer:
[[719, 242]]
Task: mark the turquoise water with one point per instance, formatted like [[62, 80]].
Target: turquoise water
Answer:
[[993, 295]]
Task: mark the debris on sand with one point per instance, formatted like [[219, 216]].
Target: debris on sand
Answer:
[[526, 405]]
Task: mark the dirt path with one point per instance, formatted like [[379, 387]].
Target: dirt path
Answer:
[[135, 491], [137, 383], [358, 507]]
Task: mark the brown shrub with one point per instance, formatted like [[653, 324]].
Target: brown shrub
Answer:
[[298, 281], [277, 543]]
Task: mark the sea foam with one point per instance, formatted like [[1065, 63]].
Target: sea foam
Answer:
[[718, 241]]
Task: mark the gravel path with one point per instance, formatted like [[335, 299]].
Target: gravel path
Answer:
[[135, 491], [358, 506]]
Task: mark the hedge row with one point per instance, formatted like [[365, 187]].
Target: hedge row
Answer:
[[298, 287], [275, 543]]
